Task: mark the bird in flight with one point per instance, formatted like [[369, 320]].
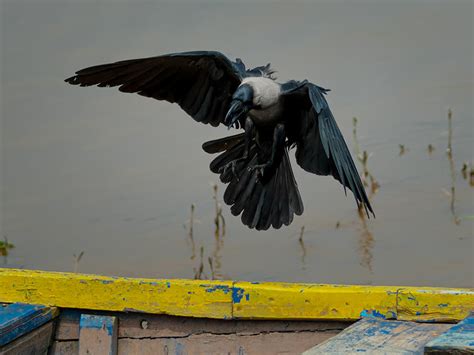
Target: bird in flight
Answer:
[[275, 117]]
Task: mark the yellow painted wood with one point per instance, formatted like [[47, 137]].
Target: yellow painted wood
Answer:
[[177, 297], [342, 302], [232, 299], [434, 304], [274, 300]]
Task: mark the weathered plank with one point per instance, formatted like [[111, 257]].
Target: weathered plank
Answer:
[[434, 304], [458, 339], [138, 325], [231, 299], [64, 348], [209, 343], [380, 336], [274, 300], [234, 344], [97, 335], [19, 319], [191, 298], [35, 342]]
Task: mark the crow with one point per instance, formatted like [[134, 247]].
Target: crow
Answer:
[[275, 117]]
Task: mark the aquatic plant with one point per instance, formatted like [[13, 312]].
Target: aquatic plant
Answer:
[[5, 247], [77, 259], [367, 178], [467, 172], [191, 232], [199, 271], [403, 150], [431, 149], [303, 248], [367, 240], [449, 152], [219, 234]]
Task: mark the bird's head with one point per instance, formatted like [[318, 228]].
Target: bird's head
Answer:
[[241, 104]]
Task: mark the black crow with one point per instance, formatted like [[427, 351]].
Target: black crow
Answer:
[[275, 117]]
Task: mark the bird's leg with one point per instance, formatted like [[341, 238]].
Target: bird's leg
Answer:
[[249, 134], [277, 147]]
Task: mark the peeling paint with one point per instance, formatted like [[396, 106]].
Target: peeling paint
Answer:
[[237, 294], [151, 283], [133, 310], [97, 322], [214, 288], [225, 299], [391, 315], [179, 350], [372, 313]]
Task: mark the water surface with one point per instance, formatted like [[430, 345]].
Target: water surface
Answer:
[[114, 175]]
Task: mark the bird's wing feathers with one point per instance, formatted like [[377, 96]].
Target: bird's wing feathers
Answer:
[[265, 71], [320, 146], [201, 82]]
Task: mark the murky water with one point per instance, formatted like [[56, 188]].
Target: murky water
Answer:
[[115, 175]]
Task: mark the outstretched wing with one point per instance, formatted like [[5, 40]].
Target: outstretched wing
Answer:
[[201, 83], [320, 146]]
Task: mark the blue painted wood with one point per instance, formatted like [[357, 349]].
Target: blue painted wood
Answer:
[[458, 338], [373, 335], [97, 334], [18, 319]]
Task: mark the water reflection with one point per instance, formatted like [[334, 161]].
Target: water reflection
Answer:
[[77, 260], [214, 261], [219, 233], [402, 149], [366, 242], [367, 178], [303, 249], [5, 247], [431, 149], [190, 239], [199, 273], [366, 238], [452, 169]]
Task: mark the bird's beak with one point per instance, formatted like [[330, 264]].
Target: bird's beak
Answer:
[[237, 111]]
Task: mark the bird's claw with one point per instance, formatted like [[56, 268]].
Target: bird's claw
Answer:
[[230, 165], [260, 168]]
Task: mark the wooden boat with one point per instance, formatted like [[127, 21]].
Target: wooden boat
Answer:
[[66, 313]]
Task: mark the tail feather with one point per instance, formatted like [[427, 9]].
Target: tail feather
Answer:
[[221, 144], [277, 216], [262, 203], [234, 191], [250, 210], [265, 220], [243, 191], [282, 214], [295, 199]]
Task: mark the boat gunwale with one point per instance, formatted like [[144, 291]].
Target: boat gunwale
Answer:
[[235, 299]]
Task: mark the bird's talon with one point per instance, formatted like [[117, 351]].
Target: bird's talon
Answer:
[[230, 165], [259, 168]]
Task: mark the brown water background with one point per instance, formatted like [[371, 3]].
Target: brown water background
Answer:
[[114, 175]]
